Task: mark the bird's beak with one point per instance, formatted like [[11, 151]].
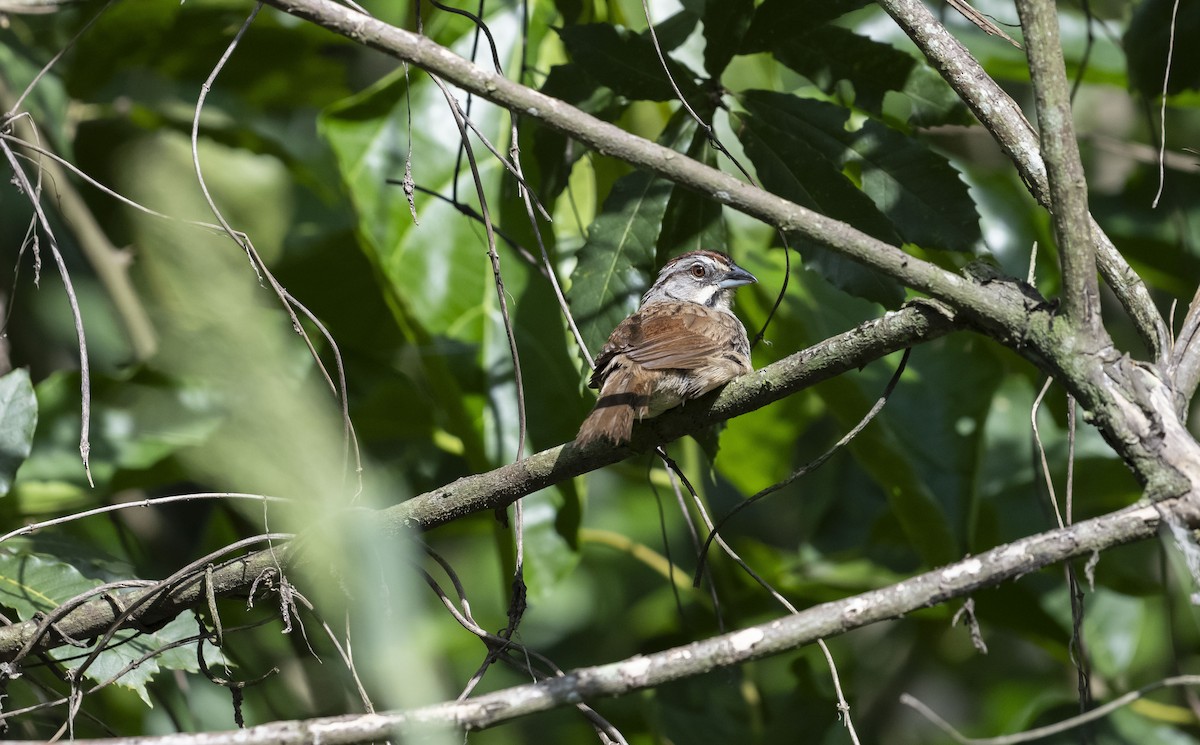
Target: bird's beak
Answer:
[[737, 277]]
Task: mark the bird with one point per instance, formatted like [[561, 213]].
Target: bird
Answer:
[[682, 342]]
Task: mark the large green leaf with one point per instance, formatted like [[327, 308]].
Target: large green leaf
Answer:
[[627, 63], [18, 419], [674, 30], [619, 254], [833, 53], [919, 191], [883, 453], [435, 275], [791, 168], [164, 49]]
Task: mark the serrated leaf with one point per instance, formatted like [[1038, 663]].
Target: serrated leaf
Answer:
[[781, 19], [627, 63], [918, 190], [615, 263], [830, 54], [725, 23], [791, 168], [18, 419]]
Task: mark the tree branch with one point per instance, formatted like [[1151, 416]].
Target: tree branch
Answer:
[[774, 637], [1064, 170], [1004, 120], [93, 618]]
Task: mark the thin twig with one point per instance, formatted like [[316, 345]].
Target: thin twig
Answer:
[[243, 241], [1162, 112], [85, 377], [148, 502]]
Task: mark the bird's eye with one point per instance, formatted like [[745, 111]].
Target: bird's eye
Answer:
[[698, 271]]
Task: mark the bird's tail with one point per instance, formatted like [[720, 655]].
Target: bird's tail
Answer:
[[624, 397]]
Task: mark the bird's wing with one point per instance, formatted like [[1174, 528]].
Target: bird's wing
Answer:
[[673, 336]]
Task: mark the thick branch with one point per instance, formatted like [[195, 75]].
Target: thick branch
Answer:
[[1004, 120], [1184, 366], [763, 640], [1064, 170]]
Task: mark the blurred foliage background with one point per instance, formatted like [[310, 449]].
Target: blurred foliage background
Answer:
[[299, 141]]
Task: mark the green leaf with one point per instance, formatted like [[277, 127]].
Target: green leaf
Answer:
[[620, 251], [674, 31], [627, 63], [138, 420], [47, 101], [931, 101], [161, 50], [939, 413], [919, 191], [570, 9], [919, 496], [777, 20], [833, 53], [550, 556], [791, 168], [433, 276], [437, 274], [18, 420], [618, 256], [725, 23]]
